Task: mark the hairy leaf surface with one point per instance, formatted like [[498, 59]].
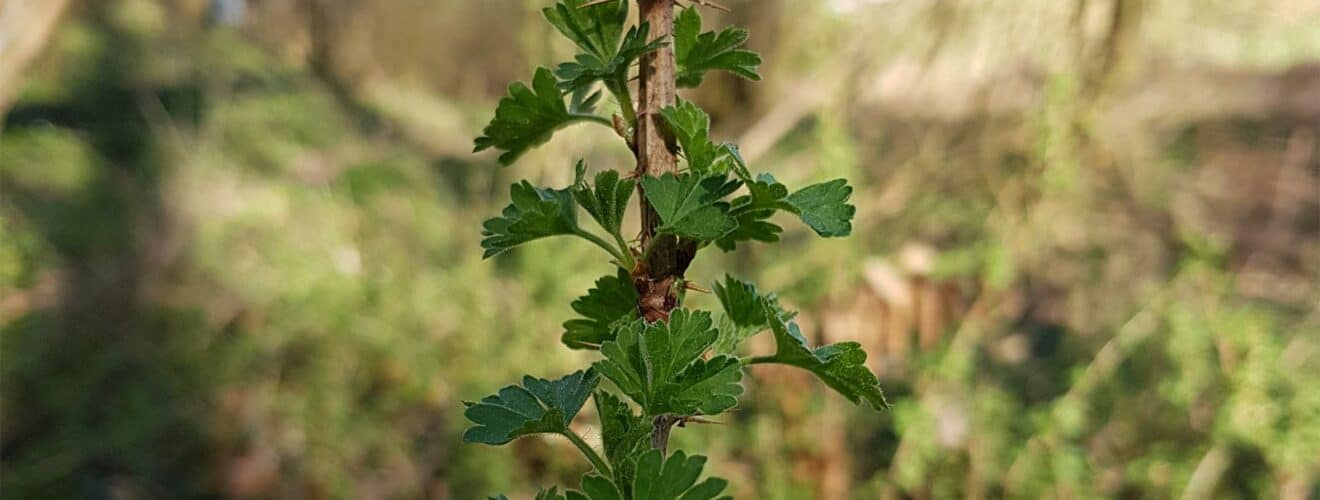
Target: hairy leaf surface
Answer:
[[607, 201], [752, 212], [825, 207], [841, 366], [659, 365], [696, 52], [611, 302], [744, 312], [690, 205], [528, 117], [537, 406], [534, 213]]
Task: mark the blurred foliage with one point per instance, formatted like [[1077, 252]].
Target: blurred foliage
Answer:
[[228, 269]]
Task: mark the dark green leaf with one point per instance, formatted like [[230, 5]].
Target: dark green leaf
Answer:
[[612, 68], [673, 479], [623, 434], [659, 365], [528, 117], [825, 207], [744, 313], [595, 29], [841, 366], [696, 52], [538, 406], [607, 202], [690, 206], [612, 301], [753, 211], [534, 213]]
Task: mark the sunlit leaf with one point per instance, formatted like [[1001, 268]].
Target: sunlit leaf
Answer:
[[696, 52], [537, 406]]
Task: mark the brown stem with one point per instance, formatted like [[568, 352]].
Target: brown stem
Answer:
[[666, 258]]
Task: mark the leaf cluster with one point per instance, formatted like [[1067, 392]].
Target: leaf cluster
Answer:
[[689, 365]]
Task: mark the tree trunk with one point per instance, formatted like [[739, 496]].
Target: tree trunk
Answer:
[[666, 259]]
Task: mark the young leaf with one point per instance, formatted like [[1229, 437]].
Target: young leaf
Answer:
[[534, 213], [696, 52], [612, 68], [752, 211], [744, 314], [659, 365], [527, 118], [612, 301], [607, 201], [595, 28], [538, 406], [673, 479], [690, 206], [841, 366], [691, 127], [623, 434], [825, 207]]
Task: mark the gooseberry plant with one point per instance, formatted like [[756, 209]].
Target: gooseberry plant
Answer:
[[669, 365]]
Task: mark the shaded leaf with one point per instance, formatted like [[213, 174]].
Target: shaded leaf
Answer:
[[825, 207], [623, 434], [696, 53], [607, 201], [744, 312], [690, 206], [612, 301], [841, 366], [752, 212], [595, 29], [659, 365], [612, 67], [538, 406], [534, 213], [528, 117]]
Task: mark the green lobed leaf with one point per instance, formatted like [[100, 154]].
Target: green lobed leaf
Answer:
[[595, 29], [752, 212], [659, 366], [607, 201], [691, 128], [825, 207], [624, 435], [690, 205], [612, 301], [744, 313], [534, 213], [612, 68], [674, 478], [696, 53], [842, 366], [538, 406], [528, 117]]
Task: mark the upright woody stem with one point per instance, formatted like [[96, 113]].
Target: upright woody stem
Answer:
[[665, 258]]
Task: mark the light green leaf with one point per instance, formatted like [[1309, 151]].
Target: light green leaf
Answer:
[[841, 366], [825, 207], [611, 302], [691, 127], [534, 213], [673, 479], [528, 117], [690, 206], [607, 202], [696, 52], [744, 313], [659, 365], [538, 406]]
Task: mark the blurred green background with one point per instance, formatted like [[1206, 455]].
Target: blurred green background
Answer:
[[239, 248]]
